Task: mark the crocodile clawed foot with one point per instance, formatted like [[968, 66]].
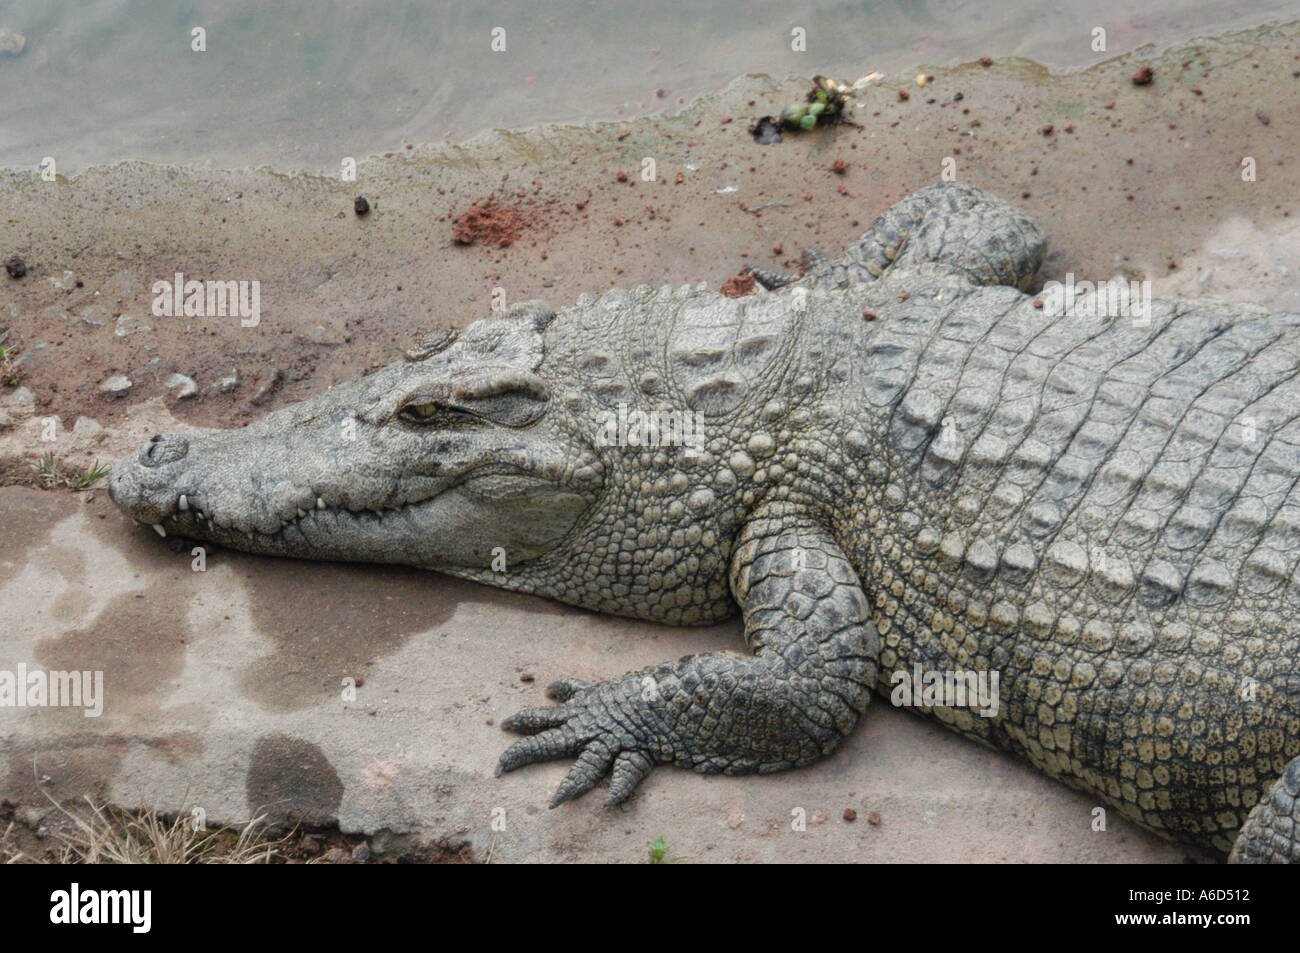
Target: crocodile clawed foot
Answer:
[[771, 280], [814, 263], [604, 725]]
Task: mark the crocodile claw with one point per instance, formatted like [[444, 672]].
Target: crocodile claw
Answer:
[[815, 260], [771, 280], [599, 724]]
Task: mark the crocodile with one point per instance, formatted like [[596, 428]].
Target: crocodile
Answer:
[[897, 467]]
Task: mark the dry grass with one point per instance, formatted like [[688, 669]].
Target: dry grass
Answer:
[[9, 375], [104, 835]]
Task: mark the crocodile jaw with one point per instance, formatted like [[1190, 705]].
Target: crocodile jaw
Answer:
[[291, 485], [459, 527]]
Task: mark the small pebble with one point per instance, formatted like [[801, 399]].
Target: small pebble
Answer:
[[12, 43], [119, 385], [183, 385], [267, 390]]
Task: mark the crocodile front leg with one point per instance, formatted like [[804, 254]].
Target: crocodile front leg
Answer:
[[1271, 834], [808, 623]]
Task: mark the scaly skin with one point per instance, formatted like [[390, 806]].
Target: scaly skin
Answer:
[[786, 706], [1106, 514]]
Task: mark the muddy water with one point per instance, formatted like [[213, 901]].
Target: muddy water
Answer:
[[300, 84]]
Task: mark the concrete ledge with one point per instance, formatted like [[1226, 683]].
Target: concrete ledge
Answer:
[[223, 691]]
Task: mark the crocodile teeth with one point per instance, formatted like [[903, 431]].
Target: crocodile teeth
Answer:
[[320, 504], [158, 528], [182, 503]]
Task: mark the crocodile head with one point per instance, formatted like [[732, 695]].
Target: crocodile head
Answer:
[[442, 460]]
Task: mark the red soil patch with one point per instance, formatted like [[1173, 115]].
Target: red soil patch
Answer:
[[488, 224], [737, 286]]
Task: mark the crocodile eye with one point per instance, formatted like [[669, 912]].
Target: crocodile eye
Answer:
[[425, 409], [419, 412], [507, 397]]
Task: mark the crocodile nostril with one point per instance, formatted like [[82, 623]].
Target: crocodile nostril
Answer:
[[164, 449]]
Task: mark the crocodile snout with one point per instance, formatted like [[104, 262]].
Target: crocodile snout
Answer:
[[163, 449], [144, 483]]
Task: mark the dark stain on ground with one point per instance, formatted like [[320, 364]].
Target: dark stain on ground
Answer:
[[26, 518], [332, 620], [139, 544], [291, 780], [137, 641], [66, 771], [82, 764], [326, 621]]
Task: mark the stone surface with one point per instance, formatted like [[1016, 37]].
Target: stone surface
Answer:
[[181, 386], [119, 385], [223, 690]]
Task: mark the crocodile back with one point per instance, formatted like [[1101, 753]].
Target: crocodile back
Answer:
[[1107, 512]]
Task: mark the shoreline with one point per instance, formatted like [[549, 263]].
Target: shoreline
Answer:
[[434, 150], [358, 107], [1128, 181]]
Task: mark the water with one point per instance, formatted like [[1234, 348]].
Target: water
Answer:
[[300, 85]]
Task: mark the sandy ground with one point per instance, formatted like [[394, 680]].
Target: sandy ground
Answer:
[[224, 685]]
